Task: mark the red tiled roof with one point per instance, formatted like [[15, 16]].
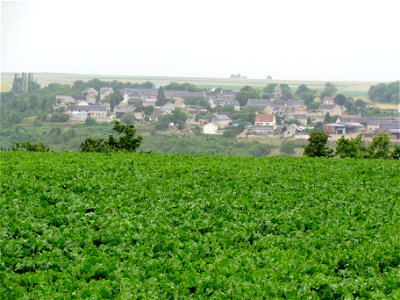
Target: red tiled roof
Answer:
[[264, 118]]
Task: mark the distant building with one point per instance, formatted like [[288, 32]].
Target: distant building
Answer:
[[210, 128], [104, 92], [265, 120]]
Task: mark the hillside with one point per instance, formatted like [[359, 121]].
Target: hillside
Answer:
[[168, 226]]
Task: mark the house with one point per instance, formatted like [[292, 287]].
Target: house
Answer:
[[63, 99], [90, 95], [95, 110], [168, 107], [104, 92], [91, 98], [260, 104], [332, 109], [291, 130], [261, 131], [90, 91], [342, 128], [210, 128], [265, 120], [173, 94], [156, 114], [138, 93], [224, 101], [222, 121], [149, 102], [301, 118], [392, 128], [122, 110], [329, 100]]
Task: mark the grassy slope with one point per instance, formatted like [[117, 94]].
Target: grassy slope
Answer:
[[162, 226], [349, 88]]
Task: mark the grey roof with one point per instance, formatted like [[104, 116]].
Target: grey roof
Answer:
[[226, 102], [222, 118], [94, 107], [390, 126], [157, 113], [298, 116], [262, 128], [184, 94], [124, 109], [259, 102]]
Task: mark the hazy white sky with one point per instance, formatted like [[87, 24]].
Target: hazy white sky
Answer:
[[288, 39]]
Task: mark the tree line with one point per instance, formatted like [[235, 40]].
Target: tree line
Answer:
[[380, 147]]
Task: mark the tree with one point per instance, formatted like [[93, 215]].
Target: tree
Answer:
[[269, 88], [90, 121], [340, 99], [352, 147], [396, 152], [287, 147], [316, 145], [126, 140], [161, 97], [114, 98], [128, 118], [246, 93], [383, 92], [329, 90], [379, 147], [28, 146], [286, 91]]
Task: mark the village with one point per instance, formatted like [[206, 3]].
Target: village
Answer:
[[217, 112]]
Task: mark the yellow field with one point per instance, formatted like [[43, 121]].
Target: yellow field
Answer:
[[349, 88]]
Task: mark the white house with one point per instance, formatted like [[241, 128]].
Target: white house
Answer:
[[210, 128]]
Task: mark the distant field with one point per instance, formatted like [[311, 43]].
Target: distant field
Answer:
[[349, 88]]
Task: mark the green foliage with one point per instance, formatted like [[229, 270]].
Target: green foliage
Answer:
[[114, 98], [177, 117], [182, 87], [131, 225], [24, 83], [246, 93], [58, 118], [340, 99], [316, 145], [116, 85], [128, 118], [198, 101], [329, 90], [396, 152], [352, 147], [287, 147], [161, 97], [305, 94], [126, 141], [379, 147], [286, 91], [383, 92], [90, 121], [29, 146], [269, 88]]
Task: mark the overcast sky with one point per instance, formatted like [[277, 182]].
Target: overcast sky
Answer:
[[287, 39]]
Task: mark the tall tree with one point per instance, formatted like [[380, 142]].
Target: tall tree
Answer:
[[161, 97], [246, 93], [317, 145], [329, 90]]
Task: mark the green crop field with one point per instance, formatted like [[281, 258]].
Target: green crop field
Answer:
[[151, 226], [349, 88]]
